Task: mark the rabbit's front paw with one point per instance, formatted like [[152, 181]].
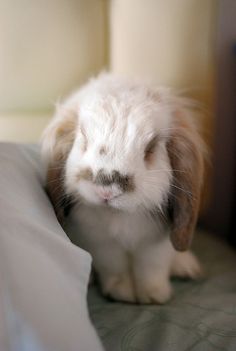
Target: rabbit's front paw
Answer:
[[157, 290], [119, 287]]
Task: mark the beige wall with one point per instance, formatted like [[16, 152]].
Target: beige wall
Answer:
[[169, 41], [23, 127], [48, 48]]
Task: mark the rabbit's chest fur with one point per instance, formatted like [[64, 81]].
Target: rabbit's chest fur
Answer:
[[131, 252], [129, 230]]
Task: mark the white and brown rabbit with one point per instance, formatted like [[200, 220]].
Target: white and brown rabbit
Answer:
[[130, 159]]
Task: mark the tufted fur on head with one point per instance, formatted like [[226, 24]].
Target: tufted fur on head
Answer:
[[123, 145]]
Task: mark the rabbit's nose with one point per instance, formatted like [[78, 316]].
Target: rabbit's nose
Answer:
[[107, 194]]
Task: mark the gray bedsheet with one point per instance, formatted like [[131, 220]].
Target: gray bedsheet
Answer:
[[200, 317]]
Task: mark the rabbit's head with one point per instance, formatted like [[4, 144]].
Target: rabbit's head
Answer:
[[128, 147]]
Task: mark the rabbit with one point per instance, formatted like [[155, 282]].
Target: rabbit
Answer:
[[125, 160]]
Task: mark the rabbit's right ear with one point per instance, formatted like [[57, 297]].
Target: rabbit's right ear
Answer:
[[56, 142]]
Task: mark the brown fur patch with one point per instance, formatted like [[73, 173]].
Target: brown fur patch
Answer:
[[55, 189], [85, 140], [103, 150], [62, 131], [85, 174], [64, 134], [150, 149], [126, 182], [184, 149]]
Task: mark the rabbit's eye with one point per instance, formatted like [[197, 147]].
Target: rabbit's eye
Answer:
[[150, 148]]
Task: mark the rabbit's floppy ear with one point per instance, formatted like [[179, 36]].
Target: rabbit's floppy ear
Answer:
[[186, 157], [57, 141]]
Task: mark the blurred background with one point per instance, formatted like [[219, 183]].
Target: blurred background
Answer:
[[48, 48]]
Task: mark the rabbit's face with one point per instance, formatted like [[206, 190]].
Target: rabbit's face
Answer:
[[119, 157]]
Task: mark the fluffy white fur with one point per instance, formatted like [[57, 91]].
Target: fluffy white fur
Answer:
[[127, 232]]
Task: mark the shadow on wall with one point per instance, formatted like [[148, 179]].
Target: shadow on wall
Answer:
[[221, 216]]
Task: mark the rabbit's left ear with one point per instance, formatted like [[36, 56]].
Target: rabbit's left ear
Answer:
[[186, 157], [57, 141]]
